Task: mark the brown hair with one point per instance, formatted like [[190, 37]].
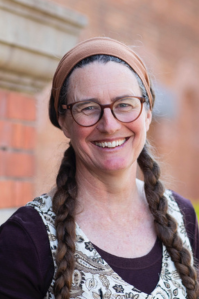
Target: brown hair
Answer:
[[64, 207]]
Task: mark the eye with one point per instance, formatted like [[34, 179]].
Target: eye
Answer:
[[123, 105], [86, 108], [127, 104]]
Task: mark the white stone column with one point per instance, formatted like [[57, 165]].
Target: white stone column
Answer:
[[34, 34]]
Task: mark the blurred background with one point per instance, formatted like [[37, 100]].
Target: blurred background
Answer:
[[35, 34]]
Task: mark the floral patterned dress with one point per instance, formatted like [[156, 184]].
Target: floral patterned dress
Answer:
[[93, 278]]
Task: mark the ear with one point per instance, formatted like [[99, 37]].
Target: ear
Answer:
[[148, 119], [64, 126]]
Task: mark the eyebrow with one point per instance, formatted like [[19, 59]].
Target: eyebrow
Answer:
[[112, 100]]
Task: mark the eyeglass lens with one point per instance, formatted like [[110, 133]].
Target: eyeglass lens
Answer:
[[87, 113]]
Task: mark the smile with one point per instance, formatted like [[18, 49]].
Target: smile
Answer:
[[111, 144]]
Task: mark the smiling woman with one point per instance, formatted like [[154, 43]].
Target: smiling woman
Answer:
[[110, 88], [102, 233]]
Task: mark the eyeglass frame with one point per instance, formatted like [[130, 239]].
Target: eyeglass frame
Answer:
[[70, 106]]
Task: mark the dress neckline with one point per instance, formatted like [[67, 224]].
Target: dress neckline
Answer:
[[154, 255]]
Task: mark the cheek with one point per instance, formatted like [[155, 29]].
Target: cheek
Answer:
[[139, 131], [79, 135], [71, 129], [139, 126]]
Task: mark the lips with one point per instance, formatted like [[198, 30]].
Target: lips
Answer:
[[110, 144]]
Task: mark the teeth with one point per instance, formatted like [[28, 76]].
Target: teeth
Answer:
[[111, 144]]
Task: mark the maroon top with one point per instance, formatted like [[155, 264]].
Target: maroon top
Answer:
[[26, 265]]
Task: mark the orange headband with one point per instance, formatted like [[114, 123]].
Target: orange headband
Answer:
[[94, 46]]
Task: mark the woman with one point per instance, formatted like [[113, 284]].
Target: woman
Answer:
[[110, 235]]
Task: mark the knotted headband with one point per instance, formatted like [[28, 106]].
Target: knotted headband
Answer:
[[94, 46]]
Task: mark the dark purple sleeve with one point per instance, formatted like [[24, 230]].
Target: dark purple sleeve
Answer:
[[26, 267], [191, 223]]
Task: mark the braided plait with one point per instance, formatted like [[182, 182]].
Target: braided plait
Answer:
[[165, 225], [64, 207]]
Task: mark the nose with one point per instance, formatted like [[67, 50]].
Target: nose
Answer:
[[108, 123]]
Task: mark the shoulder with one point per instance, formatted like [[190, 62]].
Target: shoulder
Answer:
[[186, 209], [24, 216], [27, 220], [184, 204], [190, 221], [25, 252], [25, 229]]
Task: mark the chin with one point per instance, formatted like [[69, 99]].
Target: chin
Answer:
[[116, 165]]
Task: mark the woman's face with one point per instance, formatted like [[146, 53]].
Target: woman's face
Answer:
[[105, 83]]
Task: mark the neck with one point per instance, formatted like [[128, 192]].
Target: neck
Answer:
[[112, 193]]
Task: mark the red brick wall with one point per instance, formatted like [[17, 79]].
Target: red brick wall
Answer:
[[17, 145]]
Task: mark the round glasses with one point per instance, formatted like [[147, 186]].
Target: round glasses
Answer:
[[87, 113]]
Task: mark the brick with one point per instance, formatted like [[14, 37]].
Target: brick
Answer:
[[21, 107], [7, 194], [30, 109], [23, 136], [29, 140], [19, 165], [15, 107], [17, 135], [23, 192], [2, 162], [3, 97], [5, 133], [15, 193]]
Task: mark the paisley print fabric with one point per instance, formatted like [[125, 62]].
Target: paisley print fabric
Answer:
[[93, 278]]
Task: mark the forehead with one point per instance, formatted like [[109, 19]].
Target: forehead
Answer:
[[99, 78]]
